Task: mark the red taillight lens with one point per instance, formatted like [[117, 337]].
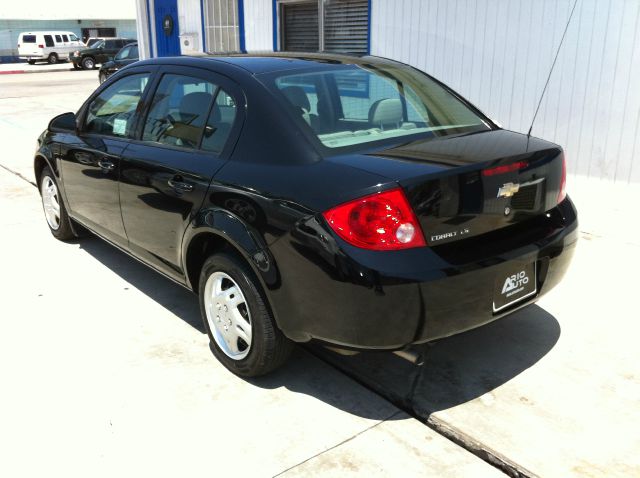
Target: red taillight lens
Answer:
[[382, 222], [40, 46], [562, 193], [505, 169]]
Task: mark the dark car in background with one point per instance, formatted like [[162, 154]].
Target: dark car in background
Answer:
[[126, 56], [354, 201], [101, 52]]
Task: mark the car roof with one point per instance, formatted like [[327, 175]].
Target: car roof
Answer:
[[269, 62]]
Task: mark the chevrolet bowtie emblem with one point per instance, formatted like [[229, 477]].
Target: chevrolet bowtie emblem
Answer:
[[508, 189]]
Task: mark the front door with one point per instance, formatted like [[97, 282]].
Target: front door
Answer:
[[90, 162], [166, 174], [167, 30]]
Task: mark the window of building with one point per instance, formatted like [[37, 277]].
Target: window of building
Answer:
[[340, 26], [222, 32]]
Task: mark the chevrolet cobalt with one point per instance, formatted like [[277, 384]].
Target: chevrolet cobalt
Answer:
[[354, 201]]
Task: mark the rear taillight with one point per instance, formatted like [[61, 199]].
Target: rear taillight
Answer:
[[562, 193], [40, 46], [382, 222]]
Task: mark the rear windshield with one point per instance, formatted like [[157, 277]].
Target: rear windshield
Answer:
[[28, 39], [352, 105]]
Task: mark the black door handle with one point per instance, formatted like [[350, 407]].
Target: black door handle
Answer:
[[179, 185], [106, 165]]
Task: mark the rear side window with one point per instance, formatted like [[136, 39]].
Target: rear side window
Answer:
[[179, 111], [219, 123], [65, 38], [58, 39], [112, 112], [28, 38], [48, 40]]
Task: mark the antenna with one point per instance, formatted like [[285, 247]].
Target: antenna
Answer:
[[544, 90]]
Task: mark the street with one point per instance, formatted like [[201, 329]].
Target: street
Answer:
[[106, 369]]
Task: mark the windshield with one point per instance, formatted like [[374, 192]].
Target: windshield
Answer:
[[357, 104], [96, 44]]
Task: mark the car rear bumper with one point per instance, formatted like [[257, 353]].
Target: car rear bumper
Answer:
[[374, 300]]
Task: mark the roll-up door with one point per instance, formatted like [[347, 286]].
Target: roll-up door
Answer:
[[300, 26], [346, 26]]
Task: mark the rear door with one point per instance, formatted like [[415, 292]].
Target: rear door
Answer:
[[90, 160], [187, 135], [28, 45]]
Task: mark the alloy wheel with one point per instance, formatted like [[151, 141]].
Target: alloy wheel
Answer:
[[51, 202], [228, 315]]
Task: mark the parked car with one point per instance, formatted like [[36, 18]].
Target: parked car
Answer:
[[126, 56], [354, 201], [101, 52], [51, 46]]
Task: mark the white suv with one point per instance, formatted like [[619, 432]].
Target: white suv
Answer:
[[52, 46]]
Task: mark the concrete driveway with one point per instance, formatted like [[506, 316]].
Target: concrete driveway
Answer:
[[106, 369]]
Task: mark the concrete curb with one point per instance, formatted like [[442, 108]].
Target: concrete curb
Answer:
[[47, 70]]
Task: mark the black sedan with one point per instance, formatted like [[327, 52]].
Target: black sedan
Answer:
[[354, 201], [126, 56]]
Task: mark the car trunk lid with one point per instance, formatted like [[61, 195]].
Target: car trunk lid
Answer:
[[468, 185]]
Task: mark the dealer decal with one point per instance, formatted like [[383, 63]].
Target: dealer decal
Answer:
[[515, 283]]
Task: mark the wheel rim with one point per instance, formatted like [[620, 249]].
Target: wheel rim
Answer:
[[51, 202], [228, 315], [88, 64]]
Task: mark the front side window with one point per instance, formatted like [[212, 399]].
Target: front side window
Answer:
[[352, 105], [48, 40], [112, 112], [179, 111], [112, 44]]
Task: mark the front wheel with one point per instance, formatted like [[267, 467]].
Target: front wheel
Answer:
[[241, 328], [88, 63], [54, 211]]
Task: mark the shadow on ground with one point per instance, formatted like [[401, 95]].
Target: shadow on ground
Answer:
[[459, 368], [303, 373]]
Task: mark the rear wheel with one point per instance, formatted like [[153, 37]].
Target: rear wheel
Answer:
[[242, 331], [53, 58], [31, 62], [88, 63], [54, 211]]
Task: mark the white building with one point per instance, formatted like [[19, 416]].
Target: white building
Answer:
[[497, 53]]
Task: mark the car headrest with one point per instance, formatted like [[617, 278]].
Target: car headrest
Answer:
[[195, 104], [386, 112], [297, 97]]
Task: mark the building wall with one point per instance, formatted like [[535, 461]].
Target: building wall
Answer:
[[258, 25], [10, 29], [498, 54]]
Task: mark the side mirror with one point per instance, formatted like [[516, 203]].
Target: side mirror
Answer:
[[66, 122]]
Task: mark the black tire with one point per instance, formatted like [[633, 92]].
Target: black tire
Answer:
[[64, 231], [269, 347], [53, 58], [88, 63], [31, 62]]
